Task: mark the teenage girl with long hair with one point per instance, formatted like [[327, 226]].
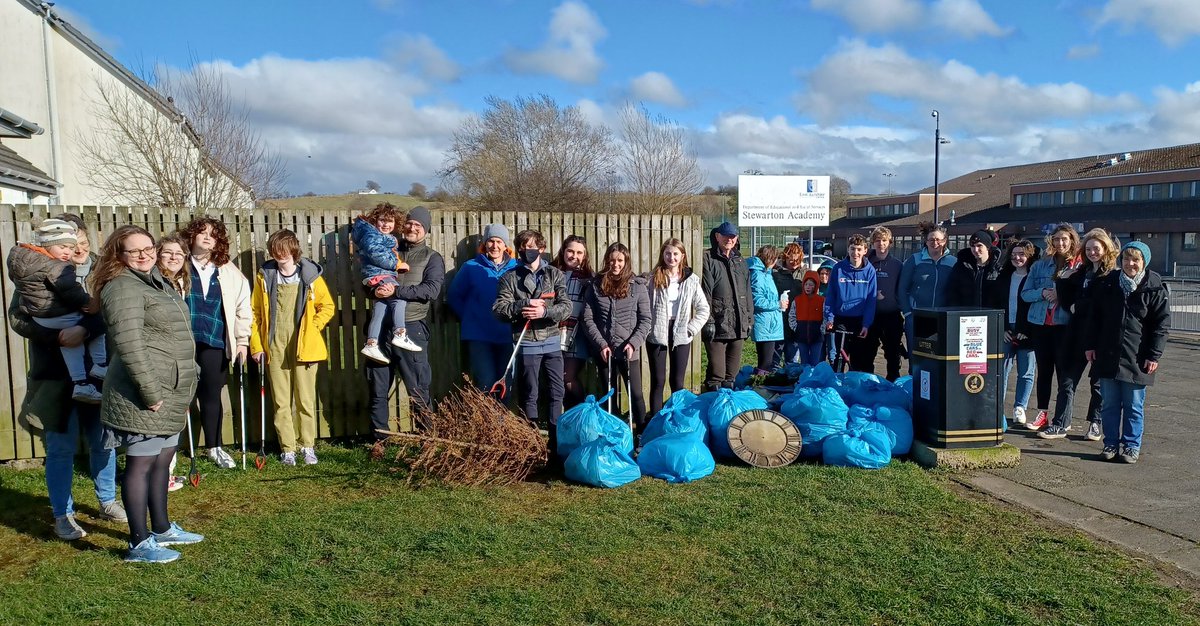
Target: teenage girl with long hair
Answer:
[[678, 310], [575, 263]]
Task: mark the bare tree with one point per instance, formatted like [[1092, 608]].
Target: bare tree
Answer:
[[528, 154], [659, 169], [194, 149], [372, 185], [839, 191], [417, 190]]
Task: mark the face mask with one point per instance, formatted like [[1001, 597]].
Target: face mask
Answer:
[[529, 256]]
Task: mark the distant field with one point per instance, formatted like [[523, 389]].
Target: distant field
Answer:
[[349, 200]]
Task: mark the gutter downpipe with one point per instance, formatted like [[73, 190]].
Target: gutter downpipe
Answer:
[[52, 103]]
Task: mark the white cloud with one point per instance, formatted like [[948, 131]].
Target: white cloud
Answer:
[[966, 18], [1174, 21], [656, 87], [339, 122], [875, 16], [857, 75], [1083, 51], [569, 52], [420, 52], [1193, 87]]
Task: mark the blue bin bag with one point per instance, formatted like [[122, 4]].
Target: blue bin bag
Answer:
[[742, 380], [905, 383], [601, 463], [868, 446], [680, 414], [820, 375], [871, 390], [719, 408], [677, 458], [794, 370], [897, 421], [817, 413], [589, 422]]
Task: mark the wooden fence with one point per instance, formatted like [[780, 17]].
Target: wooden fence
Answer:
[[324, 237]]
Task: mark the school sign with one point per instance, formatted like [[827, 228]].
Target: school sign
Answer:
[[783, 201]]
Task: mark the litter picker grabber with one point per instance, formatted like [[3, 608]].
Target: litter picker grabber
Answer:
[[500, 387], [260, 458], [193, 476], [242, 399], [613, 374], [840, 358]]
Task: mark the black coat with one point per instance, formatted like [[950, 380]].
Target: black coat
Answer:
[[998, 299], [973, 285], [726, 283], [1125, 330], [1075, 293]]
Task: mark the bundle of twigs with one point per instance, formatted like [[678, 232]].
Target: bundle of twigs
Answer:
[[469, 439]]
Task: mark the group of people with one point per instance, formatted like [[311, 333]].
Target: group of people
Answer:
[[161, 322], [145, 330]]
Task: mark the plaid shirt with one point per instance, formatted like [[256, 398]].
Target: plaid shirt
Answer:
[[208, 317]]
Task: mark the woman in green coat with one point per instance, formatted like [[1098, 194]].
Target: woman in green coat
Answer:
[[151, 379]]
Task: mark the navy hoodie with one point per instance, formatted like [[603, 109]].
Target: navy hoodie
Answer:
[[852, 292]]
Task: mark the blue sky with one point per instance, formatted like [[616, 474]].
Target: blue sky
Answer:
[[374, 89]]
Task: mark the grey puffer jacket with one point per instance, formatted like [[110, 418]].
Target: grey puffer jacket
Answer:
[[612, 323], [152, 355], [47, 286]]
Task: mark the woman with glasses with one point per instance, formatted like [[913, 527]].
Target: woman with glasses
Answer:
[[151, 380], [171, 260], [219, 300], [925, 279], [1048, 320]]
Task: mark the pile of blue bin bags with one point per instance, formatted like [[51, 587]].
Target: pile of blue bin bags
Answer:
[[851, 420]]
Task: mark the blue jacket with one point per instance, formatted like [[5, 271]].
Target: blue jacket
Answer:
[[924, 283], [1041, 276], [768, 318], [852, 292], [378, 252], [472, 294]]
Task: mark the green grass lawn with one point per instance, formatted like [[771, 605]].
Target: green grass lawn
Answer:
[[346, 542]]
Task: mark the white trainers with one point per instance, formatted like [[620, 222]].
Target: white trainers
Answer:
[[372, 351], [219, 456], [288, 458], [67, 529], [1019, 415], [86, 392], [401, 340], [310, 456], [98, 371]]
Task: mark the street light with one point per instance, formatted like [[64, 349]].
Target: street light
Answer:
[[888, 176], [937, 147]]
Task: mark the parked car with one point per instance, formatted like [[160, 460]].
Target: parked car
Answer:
[[816, 260]]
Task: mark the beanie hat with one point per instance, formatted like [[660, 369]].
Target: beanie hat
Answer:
[[826, 265], [1140, 247], [53, 231], [727, 229], [499, 231], [421, 214], [983, 236]]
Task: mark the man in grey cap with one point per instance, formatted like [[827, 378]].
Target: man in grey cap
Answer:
[[418, 287]]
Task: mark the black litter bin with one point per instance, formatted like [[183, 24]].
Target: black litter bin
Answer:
[[957, 361]]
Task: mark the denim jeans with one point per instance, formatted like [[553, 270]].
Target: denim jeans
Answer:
[[1026, 364], [792, 351], [60, 463], [1121, 412], [811, 353]]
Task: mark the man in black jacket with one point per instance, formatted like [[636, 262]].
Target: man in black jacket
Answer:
[[726, 283], [973, 279], [418, 287]]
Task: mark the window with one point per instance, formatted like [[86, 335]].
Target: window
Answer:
[[1097, 195], [1159, 192], [870, 211], [1083, 196], [1137, 192], [1044, 200], [1060, 198], [1019, 200], [1180, 190], [1189, 241]]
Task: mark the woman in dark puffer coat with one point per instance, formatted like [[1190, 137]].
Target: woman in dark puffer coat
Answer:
[[616, 319], [151, 380]]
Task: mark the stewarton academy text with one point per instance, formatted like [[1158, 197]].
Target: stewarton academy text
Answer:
[[765, 213]]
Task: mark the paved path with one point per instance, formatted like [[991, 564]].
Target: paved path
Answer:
[[1152, 507]]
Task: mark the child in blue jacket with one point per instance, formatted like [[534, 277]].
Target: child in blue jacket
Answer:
[[382, 263], [850, 300]]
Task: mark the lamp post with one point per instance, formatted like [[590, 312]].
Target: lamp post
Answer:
[[937, 148]]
